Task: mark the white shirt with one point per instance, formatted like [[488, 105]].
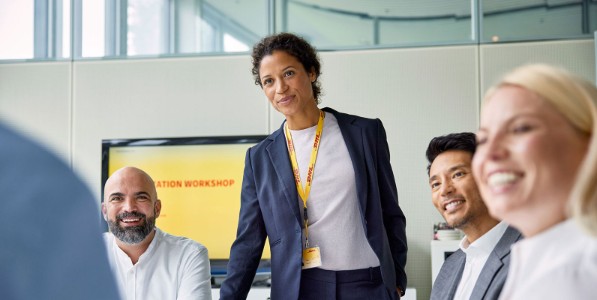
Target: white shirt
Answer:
[[335, 221], [559, 263], [171, 268], [477, 254]]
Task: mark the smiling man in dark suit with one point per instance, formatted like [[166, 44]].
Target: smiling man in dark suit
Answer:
[[479, 268]]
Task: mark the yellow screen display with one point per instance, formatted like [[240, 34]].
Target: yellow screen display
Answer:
[[199, 186]]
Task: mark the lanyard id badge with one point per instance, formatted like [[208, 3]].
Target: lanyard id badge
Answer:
[[311, 255], [311, 258]]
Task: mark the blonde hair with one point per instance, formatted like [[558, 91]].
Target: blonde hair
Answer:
[[576, 99]]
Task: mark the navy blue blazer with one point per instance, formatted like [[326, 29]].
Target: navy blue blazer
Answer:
[[270, 208]]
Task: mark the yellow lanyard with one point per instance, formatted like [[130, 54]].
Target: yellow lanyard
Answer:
[[304, 193]]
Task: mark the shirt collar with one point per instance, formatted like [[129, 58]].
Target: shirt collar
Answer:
[[152, 246], [486, 242]]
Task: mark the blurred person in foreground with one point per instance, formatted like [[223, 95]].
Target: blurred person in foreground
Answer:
[[536, 158], [321, 188], [479, 268], [51, 246], [149, 263]]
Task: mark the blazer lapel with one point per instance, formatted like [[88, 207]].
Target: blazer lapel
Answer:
[[353, 137], [490, 269], [278, 154], [494, 262], [447, 281], [455, 280]]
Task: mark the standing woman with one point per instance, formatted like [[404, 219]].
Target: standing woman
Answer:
[[536, 158], [321, 188]]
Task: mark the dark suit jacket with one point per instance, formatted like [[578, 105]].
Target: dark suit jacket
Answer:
[[270, 208], [51, 239], [492, 277]]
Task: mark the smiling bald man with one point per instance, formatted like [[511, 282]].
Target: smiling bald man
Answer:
[[147, 262]]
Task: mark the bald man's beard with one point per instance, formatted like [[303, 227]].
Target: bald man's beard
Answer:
[[132, 234]]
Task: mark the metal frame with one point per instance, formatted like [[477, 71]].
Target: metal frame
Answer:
[[116, 27], [76, 34], [48, 36], [43, 29]]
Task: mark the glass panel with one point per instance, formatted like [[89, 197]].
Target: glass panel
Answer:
[[170, 27], [233, 25], [231, 44], [433, 22], [147, 22], [65, 42], [332, 24], [536, 19], [328, 24], [93, 31], [16, 29], [593, 15]]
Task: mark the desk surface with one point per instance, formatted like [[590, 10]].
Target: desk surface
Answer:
[[259, 293]]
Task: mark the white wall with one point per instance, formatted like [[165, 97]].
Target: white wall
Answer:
[[418, 93], [576, 56], [36, 98], [176, 97]]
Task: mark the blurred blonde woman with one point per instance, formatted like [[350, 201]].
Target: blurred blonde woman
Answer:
[[536, 167]]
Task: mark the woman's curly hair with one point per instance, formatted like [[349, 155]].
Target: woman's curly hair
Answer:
[[293, 45]]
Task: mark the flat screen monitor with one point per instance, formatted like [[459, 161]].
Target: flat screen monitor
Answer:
[[198, 180]]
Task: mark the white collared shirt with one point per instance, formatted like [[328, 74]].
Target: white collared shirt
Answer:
[[477, 254], [172, 267]]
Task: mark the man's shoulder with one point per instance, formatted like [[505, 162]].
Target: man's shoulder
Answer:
[[448, 275], [174, 242], [22, 157], [456, 258], [510, 236], [450, 266], [16, 145]]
